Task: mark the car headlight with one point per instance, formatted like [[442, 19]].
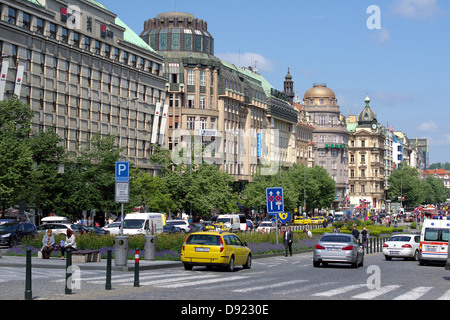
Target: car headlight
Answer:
[[6, 235]]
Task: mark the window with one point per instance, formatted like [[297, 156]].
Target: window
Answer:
[[26, 21], [190, 77], [76, 39], [202, 78], [64, 35], [202, 102], [52, 30], [39, 26], [191, 101], [203, 123], [87, 43], [190, 123], [12, 15], [97, 47]]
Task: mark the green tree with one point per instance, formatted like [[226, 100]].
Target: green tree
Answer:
[[405, 181], [15, 154]]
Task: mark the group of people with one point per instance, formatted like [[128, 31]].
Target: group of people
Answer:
[[48, 243], [355, 233]]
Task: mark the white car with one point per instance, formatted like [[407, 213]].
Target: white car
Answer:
[[57, 228], [266, 226], [113, 228], [402, 246], [180, 223]]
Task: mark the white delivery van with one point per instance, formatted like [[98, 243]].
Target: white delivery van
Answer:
[[231, 221], [55, 219], [143, 223], [243, 222], [434, 240]]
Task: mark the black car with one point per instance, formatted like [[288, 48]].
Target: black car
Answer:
[[171, 229], [13, 233]]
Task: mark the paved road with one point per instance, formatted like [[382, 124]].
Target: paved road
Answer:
[[272, 278]]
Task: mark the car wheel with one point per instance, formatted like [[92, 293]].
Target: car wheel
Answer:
[[187, 266], [248, 264], [416, 256], [316, 264], [361, 264], [230, 267], [388, 258]]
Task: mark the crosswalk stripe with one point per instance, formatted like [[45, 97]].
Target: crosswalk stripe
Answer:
[[446, 296], [371, 294], [164, 281], [197, 283], [414, 294], [334, 292], [268, 286]]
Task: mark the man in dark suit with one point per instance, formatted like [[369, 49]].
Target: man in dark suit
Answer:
[[287, 239]]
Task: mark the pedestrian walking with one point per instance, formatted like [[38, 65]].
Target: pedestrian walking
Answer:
[[355, 233], [364, 237], [287, 239]]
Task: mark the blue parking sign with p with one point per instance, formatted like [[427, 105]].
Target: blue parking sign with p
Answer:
[[122, 171]]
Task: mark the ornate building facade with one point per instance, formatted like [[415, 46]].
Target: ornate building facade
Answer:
[[330, 137], [366, 160]]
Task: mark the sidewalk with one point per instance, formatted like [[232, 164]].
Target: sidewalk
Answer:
[[57, 263]]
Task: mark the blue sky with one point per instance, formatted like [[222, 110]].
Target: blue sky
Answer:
[[404, 66]]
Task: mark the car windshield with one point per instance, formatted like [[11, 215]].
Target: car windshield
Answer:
[[335, 238], [223, 220], [133, 223], [400, 238], [9, 227], [204, 239]]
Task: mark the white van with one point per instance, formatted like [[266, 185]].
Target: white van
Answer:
[[434, 240], [55, 219], [231, 221], [143, 223]]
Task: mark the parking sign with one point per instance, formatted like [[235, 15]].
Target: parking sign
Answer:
[[122, 171]]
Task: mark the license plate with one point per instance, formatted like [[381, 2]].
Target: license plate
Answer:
[[394, 252], [202, 249], [333, 249], [431, 248]]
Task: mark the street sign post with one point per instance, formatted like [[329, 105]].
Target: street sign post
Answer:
[[122, 194]]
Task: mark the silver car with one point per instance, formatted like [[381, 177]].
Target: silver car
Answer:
[[338, 248]]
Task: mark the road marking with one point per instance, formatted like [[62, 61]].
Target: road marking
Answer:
[[268, 286], [164, 281], [376, 292], [198, 283], [446, 296], [414, 294], [345, 289]]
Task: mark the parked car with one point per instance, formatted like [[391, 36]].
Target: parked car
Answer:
[[402, 246], [97, 230], [171, 229], [338, 248], [113, 228], [58, 228], [211, 248], [195, 227], [266, 226], [11, 234], [182, 224]]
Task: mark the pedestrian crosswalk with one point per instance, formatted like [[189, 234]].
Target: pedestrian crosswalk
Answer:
[[243, 283]]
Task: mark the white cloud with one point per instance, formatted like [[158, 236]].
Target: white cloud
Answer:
[[428, 126], [416, 9], [248, 59], [443, 140], [381, 36]]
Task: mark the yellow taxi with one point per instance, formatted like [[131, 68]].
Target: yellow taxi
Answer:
[[317, 220], [302, 220], [212, 248]]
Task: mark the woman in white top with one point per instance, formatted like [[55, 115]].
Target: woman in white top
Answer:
[[70, 242]]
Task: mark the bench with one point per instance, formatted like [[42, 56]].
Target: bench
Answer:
[[82, 256], [79, 256]]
